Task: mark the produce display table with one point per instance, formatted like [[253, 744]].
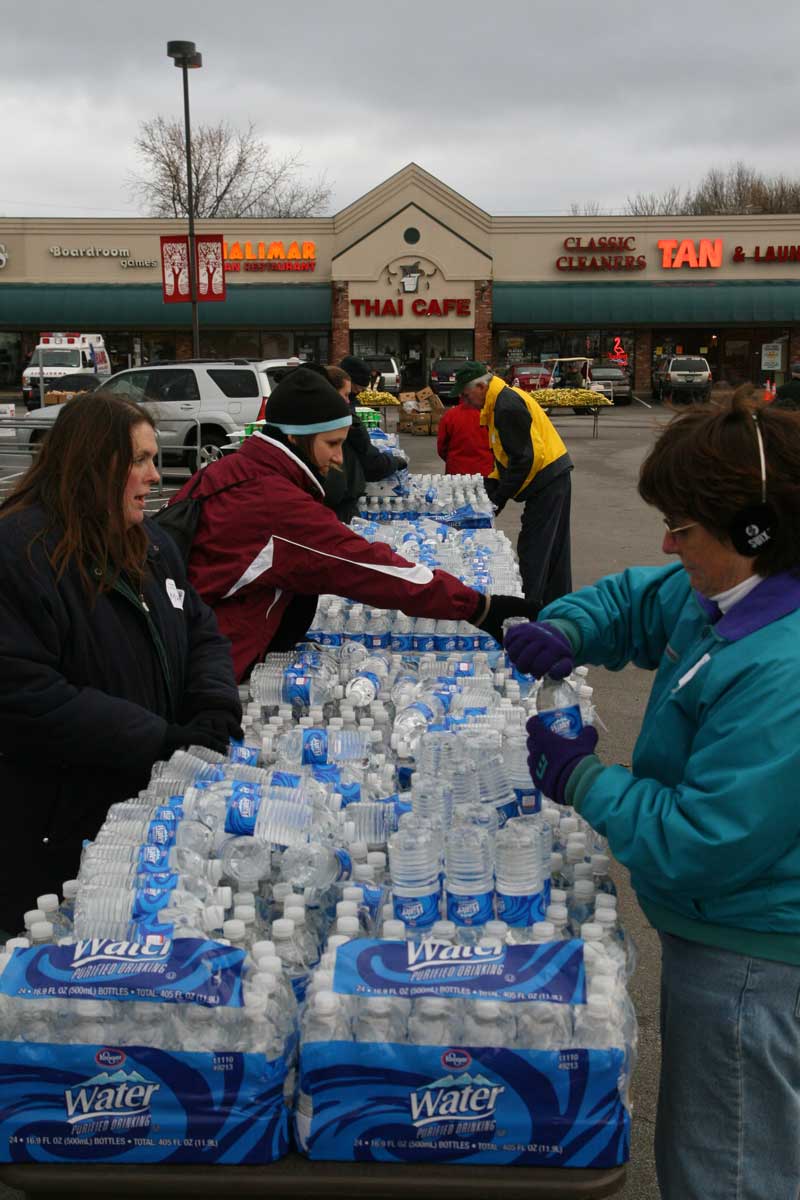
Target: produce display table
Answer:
[[295, 1178]]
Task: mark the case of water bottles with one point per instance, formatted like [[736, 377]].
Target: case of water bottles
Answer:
[[372, 866], [131, 1052], [459, 501], [458, 1052]]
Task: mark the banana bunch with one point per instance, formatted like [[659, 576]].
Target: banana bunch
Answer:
[[570, 398], [373, 399]]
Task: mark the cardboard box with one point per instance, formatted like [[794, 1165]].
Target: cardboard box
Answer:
[[422, 423], [405, 397], [426, 393]]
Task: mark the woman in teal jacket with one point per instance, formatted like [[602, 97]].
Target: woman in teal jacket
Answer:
[[708, 818]]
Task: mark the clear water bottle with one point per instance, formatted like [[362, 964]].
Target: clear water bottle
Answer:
[[489, 1023], [435, 1021], [326, 1019], [378, 1020], [542, 1025], [289, 951], [366, 685], [411, 722], [69, 890], [515, 758], [414, 862], [558, 706], [580, 904], [594, 1025], [469, 869], [601, 864], [519, 883], [315, 866]]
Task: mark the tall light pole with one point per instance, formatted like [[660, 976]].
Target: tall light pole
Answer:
[[186, 55]]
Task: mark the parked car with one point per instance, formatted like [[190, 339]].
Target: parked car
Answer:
[[443, 374], [223, 395], [78, 381], [683, 377], [612, 382], [388, 368], [528, 376]]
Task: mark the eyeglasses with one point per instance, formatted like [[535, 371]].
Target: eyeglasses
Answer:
[[673, 529]]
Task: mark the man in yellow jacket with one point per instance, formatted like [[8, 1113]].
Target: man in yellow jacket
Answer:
[[531, 466]]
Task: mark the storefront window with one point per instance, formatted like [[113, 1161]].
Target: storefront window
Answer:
[[536, 345], [10, 359], [275, 345], [159, 347]]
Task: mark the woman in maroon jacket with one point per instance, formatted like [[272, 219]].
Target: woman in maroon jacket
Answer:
[[266, 547]]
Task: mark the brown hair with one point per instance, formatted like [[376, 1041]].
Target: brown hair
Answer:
[[337, 376], [79, 478], [705, 467]]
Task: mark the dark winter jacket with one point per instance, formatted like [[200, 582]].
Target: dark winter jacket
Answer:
[[86, 694], [264, 550], [363, 463], [787, 396]]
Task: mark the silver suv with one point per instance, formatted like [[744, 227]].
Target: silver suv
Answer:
[[683, 377], [220, 395]]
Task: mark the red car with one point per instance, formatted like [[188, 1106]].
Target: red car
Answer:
[[528, 376]]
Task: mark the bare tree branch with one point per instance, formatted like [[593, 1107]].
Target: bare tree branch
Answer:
[[234, 174]]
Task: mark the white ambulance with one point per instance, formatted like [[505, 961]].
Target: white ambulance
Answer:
[[63, 354]]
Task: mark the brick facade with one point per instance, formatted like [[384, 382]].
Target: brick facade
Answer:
[[483, 320], [643, 360], [340, 321]]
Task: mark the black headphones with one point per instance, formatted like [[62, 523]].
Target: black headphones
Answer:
[[753, 528]]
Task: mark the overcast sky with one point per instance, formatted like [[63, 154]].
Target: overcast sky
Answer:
[[524, 106]]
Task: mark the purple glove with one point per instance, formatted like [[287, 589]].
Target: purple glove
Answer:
[[539, 649], [552, 758]]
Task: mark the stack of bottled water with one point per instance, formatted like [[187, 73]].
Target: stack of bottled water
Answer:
[[457, 500]]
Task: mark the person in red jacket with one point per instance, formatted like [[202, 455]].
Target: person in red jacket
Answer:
[[266, 546], [462, 441]]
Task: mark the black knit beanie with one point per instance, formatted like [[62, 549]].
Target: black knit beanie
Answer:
[[357, 369], [305, 402]]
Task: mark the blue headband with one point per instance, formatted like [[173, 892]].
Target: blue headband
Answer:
[[320, 427]]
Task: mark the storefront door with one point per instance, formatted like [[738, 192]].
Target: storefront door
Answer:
[[413, 363]]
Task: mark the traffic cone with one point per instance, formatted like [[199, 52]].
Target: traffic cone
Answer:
[[774, 389], [767, 393]]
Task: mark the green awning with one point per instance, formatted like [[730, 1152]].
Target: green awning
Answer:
[[616, 304], [140, 306]]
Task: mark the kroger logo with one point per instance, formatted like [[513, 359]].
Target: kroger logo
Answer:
[[456, 1060], [111, 1058]]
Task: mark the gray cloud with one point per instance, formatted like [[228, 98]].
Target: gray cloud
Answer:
[[522, 106]]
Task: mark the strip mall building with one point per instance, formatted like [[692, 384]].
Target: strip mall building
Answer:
[[415, 270]]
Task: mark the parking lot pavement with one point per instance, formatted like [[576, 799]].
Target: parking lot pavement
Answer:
[[611, 529]]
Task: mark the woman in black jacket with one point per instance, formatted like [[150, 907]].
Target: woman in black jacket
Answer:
[[109, 660]]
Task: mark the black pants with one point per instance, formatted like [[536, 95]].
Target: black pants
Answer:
[[544, 543]]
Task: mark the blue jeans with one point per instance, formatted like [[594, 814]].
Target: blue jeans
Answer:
[[728, 1123]]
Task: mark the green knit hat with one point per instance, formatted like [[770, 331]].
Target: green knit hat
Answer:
[[464, 375]]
